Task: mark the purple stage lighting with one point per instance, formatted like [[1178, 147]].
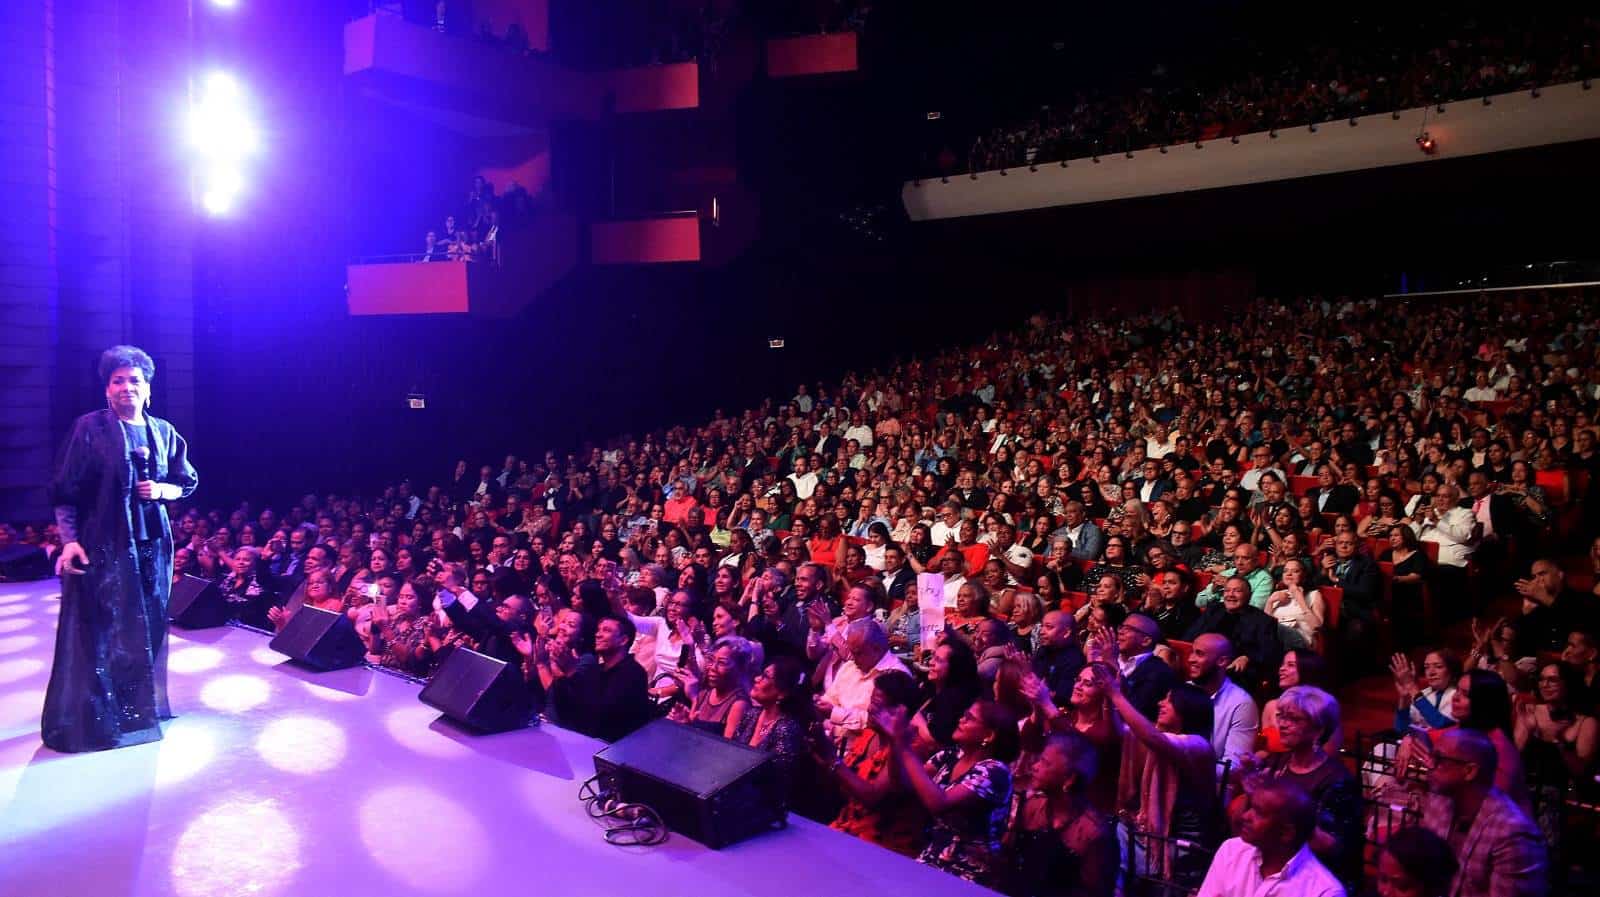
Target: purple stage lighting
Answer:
[[222, 138]]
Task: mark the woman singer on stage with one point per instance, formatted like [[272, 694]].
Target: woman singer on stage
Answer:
[[108, 687]]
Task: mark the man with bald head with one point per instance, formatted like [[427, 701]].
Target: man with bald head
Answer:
[[1272, 854], [1234, 717], [1501, 851]]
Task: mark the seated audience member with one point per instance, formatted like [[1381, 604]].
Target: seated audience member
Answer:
[[398, 637], [1299, 667], [1550, 609], [1429, 703], [846, 702], [1558, 742], [1116, 561], [1086, 540], [952, 686], [1058, 842], [1297, 607], [1174, 785], [878, 806], [1234, 718], [1169, 602], [965, 788], [1415, 862], [1272, 853], [494, 629], [1058, 658], [780, 718], [1500, 851], [604, 695], [720, 694], [1482, 704], [317, 590], [246, 596], [1246, 565], [1146, 678], [1253, 634], [1453, 529], [1307, 718], [993, 643], [778, 623], [1582, 653], [1358, 577]]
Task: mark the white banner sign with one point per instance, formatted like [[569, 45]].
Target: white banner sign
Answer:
[[930, 605]]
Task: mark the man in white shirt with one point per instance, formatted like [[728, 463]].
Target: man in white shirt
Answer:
[[1260, 462], [1449, 526], [1480, 390], [845, 703], [805, 482], [802, 402], [946, 529], [1272, 855], [859, 431]]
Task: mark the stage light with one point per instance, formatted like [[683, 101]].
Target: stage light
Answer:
[[245, 844], [225, 4], [222, 137], [1426, 144]]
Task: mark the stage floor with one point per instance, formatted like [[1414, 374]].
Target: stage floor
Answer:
[[274, 780]]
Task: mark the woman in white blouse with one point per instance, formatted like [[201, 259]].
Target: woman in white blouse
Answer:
[[1300, 612]]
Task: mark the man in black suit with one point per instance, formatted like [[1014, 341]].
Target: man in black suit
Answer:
[[1059, 659], [1146, 678], [604, 695], [1344, 565], [899, 581], [1497, 519], [1332, 497], [493, 628], [289, 589], [1252, 632]]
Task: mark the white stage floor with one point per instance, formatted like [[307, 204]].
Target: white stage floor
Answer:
[[274, 780]]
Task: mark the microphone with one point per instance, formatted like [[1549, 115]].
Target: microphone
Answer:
[[141, 463]]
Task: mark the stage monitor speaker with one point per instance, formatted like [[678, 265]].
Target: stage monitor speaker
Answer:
[[20, 563], [196, 603], [481, 692], [320, 639], [703, 787]]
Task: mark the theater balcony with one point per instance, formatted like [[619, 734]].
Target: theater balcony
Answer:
[[812, 54], [1556, 114], [723, 225], [529, 261], [411, 65]]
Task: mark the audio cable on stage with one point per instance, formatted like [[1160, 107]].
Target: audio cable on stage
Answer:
[[626, 825]]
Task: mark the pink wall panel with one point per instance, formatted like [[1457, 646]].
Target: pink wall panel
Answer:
[[645, 241], [416, 288], [656, 87], [817, 54]]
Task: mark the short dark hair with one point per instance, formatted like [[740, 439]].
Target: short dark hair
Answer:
[[625, 625], [1194, 708], [899, 689], [125, 357], [1424, 856]]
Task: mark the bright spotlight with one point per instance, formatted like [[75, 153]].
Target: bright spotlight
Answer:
[[222, 136], [225, 4]]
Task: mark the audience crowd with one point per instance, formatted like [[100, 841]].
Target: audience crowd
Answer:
[[1449, 58], [1164, 547]]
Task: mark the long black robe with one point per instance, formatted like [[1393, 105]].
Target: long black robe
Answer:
[[108, 686]]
